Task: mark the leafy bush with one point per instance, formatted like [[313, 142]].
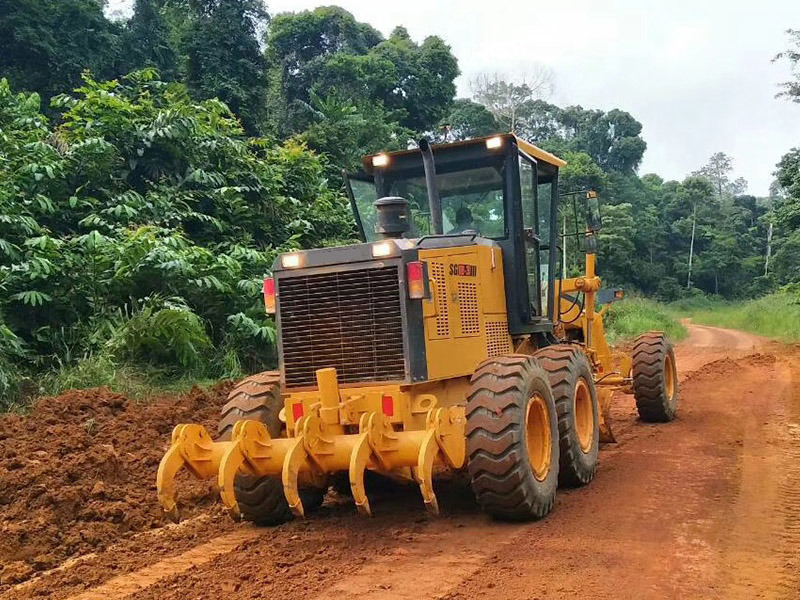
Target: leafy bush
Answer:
[[628, 318], [166, 333], [141, 225]]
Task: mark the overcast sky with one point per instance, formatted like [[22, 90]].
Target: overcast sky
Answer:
[[697, 74]]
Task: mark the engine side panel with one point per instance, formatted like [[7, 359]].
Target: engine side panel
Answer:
[[465, 319]]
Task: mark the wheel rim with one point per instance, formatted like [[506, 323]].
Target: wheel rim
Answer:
[[537, 436], [584, 415], [669, 377]]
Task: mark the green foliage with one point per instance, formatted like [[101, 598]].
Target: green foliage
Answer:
[[776, 315], [146, 41], [142, 225], [225, 60], [326, 52], [46, 44], [138, 218], [346, 130], [137, 382], [628, 318], [612, 139], [163, 332], [467, 119]]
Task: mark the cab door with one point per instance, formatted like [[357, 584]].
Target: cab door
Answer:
[[532, 234], [537, 190]]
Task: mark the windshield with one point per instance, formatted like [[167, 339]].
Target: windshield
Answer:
[[472, 201]]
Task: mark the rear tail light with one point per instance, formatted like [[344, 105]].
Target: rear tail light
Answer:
[[416, 280], [269, 295]]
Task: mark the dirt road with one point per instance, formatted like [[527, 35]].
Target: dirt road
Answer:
[[705, 507]]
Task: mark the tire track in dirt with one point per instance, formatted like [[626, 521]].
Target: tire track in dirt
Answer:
[[124, 585], [764, 553]]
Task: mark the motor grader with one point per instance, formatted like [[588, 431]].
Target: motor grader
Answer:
[[449, 340]]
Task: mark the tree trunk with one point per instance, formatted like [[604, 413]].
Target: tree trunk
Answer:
[[769, 250], [691, 247]]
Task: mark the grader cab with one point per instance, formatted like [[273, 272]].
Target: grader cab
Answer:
[[448, 340]]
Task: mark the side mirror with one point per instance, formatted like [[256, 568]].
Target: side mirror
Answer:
[[594, 221]]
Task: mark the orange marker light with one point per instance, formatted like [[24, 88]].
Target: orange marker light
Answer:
[[416, 283], [269, 295]]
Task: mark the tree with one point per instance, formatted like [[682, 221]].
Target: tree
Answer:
[[696, 192], [45, 45], [327, 51], [505, 98], [146, 41], [425, 84], [225, 60], [786, 215], [717, 171], [791, 89], [345, 131], [467, 119]]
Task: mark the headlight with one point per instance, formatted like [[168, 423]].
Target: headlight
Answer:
[[290, 261], [382, 249]]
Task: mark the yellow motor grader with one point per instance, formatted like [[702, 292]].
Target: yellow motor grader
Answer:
[[449, 340]]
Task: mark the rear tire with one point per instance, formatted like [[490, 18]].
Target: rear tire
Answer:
[[574, 393], [261, 499], [655, 378], [512, 438]]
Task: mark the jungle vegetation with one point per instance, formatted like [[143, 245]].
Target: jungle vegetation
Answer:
[[152, 167]]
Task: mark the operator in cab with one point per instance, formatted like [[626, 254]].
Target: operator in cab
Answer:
[[464, 222]]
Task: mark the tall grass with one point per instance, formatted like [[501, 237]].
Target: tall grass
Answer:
[[628, 318], [776, 316]]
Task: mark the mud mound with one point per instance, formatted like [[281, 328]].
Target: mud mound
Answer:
[[723, 366], [760, 360], [78, 473]]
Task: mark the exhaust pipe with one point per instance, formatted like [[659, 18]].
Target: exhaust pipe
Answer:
[[434, 202]]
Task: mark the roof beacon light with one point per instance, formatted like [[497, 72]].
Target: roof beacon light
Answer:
[[380, 160], [494, 142]]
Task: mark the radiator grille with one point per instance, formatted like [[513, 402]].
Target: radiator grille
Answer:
[[349, 320]]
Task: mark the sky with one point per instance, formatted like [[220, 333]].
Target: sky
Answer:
[[697, 74]]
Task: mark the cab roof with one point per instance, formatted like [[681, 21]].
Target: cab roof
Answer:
[[528, 148]]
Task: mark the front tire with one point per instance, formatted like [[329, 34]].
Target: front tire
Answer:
[[261, 499], [512, 438], [655, 378], [574, 393]]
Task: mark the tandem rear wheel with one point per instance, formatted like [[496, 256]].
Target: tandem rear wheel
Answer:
[[655, 378], [574, 393]]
